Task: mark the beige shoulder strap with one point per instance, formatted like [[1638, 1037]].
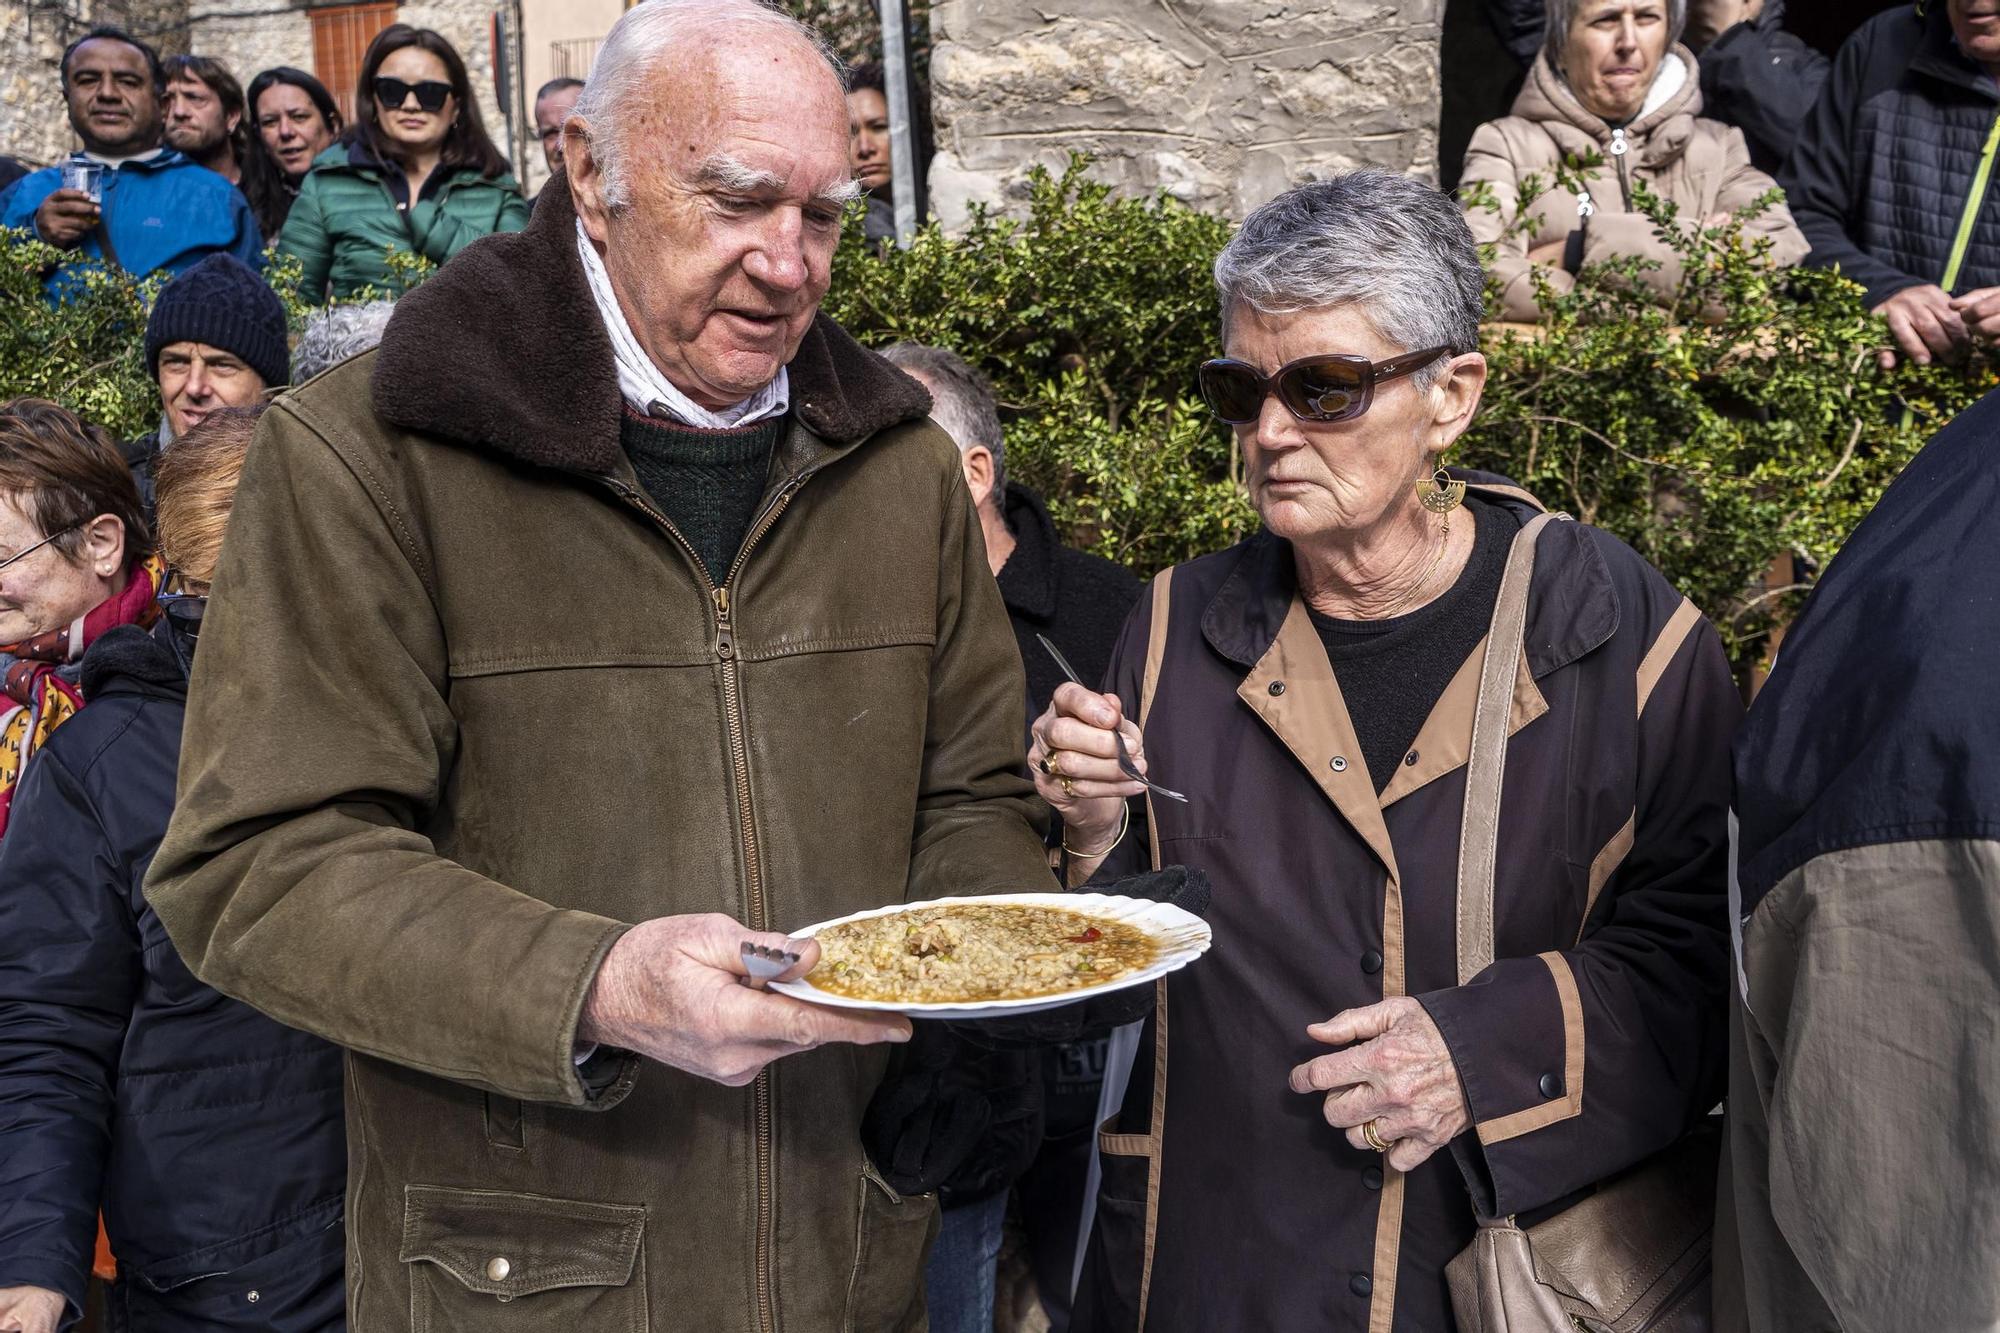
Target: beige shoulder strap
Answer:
[[1485, 767], [1156, 652]]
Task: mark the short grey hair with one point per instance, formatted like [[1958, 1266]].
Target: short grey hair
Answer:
[[1562, 13], [647, 34], [336, 333], [1395, 247], [961, 400]]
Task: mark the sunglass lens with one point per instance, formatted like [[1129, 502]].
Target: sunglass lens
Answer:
[[1322, 390], [392, 93], [1234, 393]]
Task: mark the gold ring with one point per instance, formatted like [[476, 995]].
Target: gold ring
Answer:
[[1068, 786], [1053, 765], [1374, 1137]]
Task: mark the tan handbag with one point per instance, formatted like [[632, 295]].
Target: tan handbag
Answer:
[[1633, 1256]]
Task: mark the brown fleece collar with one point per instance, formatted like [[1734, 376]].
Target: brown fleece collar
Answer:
[[504, 349]]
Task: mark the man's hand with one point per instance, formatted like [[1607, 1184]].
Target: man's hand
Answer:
[[1980, 310], [63, 220], [1925, 324], [30, 1309], [1400, 1076], [671, 989]]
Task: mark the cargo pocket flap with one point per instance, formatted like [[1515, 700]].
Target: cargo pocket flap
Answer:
[[509, 1245]]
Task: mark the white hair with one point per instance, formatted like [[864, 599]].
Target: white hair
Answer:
[[648, 34], [336, 333]]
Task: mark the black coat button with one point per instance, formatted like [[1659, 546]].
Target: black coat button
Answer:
[[1411, 759], [1371, 962], [1551, 1086], [1372, 1177], [1361, 1284], [1277, 687]]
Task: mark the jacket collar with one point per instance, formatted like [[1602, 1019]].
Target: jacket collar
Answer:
[[1660, 135], [1028, 581], [130, 660], [1572, 608], [158, 160], [1938, 56], [504, 350]]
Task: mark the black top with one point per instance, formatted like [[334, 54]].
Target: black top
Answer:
[[1078, 600], [1392, 672], [708, 482]]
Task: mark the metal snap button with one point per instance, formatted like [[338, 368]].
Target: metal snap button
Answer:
[[253, 1297], [1339, 764], [1361, 1284], [1551, 1086], [1277, 687], [1410, 759], [497, 1269], [1371, 962]]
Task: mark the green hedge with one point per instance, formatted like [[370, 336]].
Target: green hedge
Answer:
[[1743, 420]]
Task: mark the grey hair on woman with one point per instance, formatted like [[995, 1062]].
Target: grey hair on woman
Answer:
[[961, 400], [1562, 13], [645, 36], [336, 333], [1394, 247]]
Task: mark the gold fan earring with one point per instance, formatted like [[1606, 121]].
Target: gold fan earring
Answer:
[[1439, 493]]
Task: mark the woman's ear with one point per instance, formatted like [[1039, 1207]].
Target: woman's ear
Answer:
[[104, 545], [1455, 399]]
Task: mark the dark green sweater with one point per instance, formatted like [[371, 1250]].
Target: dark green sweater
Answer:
[[707, 482]]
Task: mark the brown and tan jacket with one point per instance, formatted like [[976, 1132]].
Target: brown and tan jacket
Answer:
[[1594, 1040], [1702, 166], [466, 706]]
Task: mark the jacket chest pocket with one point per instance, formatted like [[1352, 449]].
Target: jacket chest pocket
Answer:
[[486, 1261], [893, 1237]]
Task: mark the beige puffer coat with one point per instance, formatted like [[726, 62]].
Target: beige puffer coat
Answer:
[[1700, 165]]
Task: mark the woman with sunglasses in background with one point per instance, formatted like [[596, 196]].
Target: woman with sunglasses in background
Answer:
[[1360, 1066], [210, 1136], [415, 172]]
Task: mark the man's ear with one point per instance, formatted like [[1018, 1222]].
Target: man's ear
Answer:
[[586, 180], [977, 462]]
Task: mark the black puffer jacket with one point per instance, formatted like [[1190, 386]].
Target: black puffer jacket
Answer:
[[210, 1136], [1764, 81], [1879, 177]]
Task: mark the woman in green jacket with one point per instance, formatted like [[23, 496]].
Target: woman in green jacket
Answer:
[[414, 173]]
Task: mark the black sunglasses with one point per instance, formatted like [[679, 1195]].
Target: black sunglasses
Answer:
[[1313, 388], [431, 94]]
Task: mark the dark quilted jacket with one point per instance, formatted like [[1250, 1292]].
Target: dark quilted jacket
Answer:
[[1882, 166]]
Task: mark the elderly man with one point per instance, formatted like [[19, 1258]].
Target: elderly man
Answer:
[[151, 208], [618, 611]]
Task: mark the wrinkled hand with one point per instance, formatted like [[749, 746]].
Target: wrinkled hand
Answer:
[[65, 217], [670, 989], [1400, 1075], [1924, 323], [1980, 310], [1075, 762], [30, 1310]]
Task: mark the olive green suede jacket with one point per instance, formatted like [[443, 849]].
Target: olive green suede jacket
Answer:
[[466, 706]]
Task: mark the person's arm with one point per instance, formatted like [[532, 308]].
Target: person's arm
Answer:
[[69, 967], [306, 237], [1489, 161], [1742, 184], [445, 233], [1579, 1062], [1822, 183]]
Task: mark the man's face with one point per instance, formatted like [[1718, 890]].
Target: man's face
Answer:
[[291, 127], [1709, 19], [1976, 24], [113, 106], [196, 379], [195, 121], [736, 177], [550, 113]]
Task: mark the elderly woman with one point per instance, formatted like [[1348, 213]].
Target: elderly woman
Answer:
[[1328, 1088], [1611, 83], [75, 561], [210, 1137]]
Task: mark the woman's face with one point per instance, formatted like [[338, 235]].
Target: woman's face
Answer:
[[47, 589], [1614, 51], [1312, 480], [868, 138], [408, 125], [292, 128]]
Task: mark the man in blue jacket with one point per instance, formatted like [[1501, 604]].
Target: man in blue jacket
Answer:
[[157, 209]]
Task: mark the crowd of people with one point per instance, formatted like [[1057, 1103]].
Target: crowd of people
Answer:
[[599, 608]]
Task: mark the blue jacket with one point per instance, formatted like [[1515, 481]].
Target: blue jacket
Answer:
[[211, 1137], [162, 213]]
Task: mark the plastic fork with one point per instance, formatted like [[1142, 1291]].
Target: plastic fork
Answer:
[[1125, 764]]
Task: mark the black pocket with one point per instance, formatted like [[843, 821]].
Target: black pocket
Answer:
[[1107, 1300], [893, 1234], [300, 1287], [483, 1261]]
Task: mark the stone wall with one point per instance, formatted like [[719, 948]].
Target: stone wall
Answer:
[[1221, 103]]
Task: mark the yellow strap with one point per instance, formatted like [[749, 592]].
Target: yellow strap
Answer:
[[1974, 198]]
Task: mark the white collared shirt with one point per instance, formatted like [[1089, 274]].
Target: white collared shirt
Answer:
[[640, 382]]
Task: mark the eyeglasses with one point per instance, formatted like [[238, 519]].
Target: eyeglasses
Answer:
[[23, 555], [430, 94], [1313, 388], [184, 611]]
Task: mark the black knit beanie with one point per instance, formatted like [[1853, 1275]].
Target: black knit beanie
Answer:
[[221, 302]]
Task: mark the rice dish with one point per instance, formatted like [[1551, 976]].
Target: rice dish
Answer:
[[976, 952]]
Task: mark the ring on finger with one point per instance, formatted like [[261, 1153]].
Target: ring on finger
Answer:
[[1053, 765], [1068, 786], [1374, 1136]]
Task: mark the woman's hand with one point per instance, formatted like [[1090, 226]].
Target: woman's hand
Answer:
[[1400, 1076], [1075, 763]]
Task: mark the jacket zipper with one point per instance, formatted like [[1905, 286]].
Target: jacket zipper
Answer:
[[1975, 199], [1619, 149], [721, 598]]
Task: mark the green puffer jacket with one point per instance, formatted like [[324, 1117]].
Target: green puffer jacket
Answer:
[[345, 221]]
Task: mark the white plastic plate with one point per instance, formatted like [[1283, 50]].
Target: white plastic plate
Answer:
[[1181, 938]]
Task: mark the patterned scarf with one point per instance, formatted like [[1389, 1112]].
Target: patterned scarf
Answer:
[[38, 676]]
